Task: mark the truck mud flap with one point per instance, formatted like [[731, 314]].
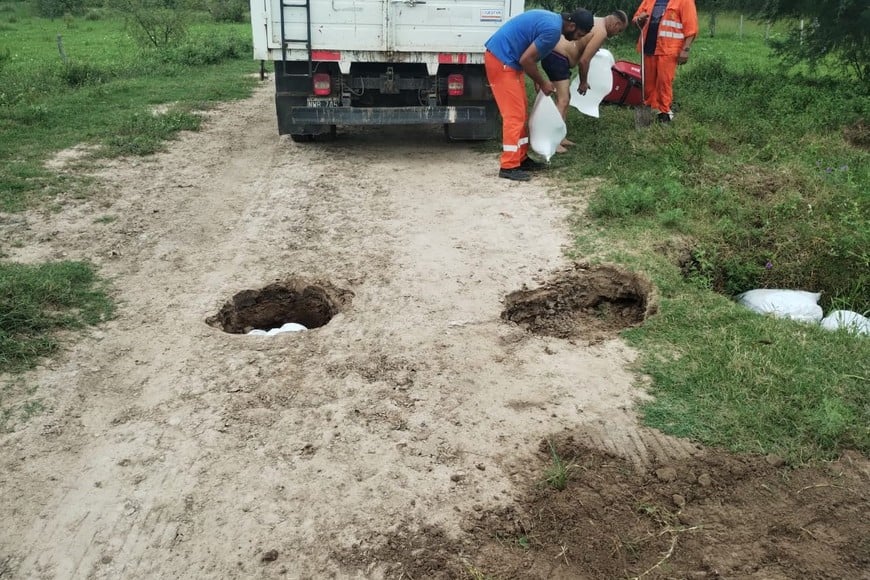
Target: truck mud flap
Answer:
[[385, 115]]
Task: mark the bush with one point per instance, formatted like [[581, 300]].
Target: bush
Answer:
[[205, 49], [57, 8], [77, 74], [228, 10]]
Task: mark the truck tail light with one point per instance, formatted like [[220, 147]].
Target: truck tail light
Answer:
[[455, 85], [322, 84]]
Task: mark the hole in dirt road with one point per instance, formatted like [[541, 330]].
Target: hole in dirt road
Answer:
[[593, 302], [311, 304]]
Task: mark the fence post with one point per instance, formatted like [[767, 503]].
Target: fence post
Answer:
[[713, 24], [740, 34], [60, 48], [767, 31], [802, 30]]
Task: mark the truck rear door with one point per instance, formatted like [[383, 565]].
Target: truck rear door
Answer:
[[444, 25]]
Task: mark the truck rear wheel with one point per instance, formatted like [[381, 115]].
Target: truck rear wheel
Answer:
[[320, 137]]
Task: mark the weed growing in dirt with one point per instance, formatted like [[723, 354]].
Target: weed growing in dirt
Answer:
[[557, 473], [36, 301], [476, 574]]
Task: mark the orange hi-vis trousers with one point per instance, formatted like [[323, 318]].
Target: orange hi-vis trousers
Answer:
[[509, 88], [659, 72]]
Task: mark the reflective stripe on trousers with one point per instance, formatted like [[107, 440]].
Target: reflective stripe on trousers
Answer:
[[513, 148]]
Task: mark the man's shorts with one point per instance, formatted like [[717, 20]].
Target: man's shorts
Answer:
[[556, 66]]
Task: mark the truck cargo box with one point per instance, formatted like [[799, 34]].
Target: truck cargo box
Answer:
[[346, 62]]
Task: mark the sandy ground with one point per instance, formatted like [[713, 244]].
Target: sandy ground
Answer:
[[171, 449]]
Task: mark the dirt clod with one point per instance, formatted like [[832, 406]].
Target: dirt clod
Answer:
[[592, 302]]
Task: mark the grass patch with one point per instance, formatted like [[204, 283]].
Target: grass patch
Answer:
[[727, 377], [104, 94], [36, 301], [763, 180], [142, 133], [557, 473], [18, 404]]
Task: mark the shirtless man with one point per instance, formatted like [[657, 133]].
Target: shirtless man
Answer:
[[579, 53]]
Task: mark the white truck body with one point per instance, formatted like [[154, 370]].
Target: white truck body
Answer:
[[389, 57]]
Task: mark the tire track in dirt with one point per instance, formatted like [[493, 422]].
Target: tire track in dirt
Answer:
[[179, 450]]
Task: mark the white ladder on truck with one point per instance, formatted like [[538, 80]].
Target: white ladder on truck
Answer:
[[306, 4]]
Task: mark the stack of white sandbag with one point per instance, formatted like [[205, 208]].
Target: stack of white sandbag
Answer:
[[287, 327], [802, 306]]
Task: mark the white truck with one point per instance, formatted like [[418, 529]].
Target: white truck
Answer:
[[380, 62]]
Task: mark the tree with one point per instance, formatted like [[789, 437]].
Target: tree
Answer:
[[155, 23], [835, 28]]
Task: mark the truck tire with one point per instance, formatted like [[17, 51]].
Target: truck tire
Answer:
[[325, 137]]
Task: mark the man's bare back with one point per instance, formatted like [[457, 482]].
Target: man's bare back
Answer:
[[573, 50]]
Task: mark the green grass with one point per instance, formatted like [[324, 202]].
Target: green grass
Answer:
[[36, 301], [558, 472], [763, 180], [727, 377], [104, 94]]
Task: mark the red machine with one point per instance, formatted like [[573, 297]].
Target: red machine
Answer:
[[627, 85]]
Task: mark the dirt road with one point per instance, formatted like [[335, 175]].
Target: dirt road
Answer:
[[169, 448]]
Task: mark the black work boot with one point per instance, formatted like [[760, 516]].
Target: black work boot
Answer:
[[664, 118], [530, 164], [515, 174]]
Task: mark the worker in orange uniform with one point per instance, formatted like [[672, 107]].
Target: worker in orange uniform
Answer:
[[514, 49], [670, 27]]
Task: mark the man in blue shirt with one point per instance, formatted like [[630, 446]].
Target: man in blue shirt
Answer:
[[515, 49]]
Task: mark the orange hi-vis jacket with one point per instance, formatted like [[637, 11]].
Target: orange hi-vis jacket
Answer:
[[680, 21]]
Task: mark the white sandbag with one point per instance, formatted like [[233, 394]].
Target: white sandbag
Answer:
[[546, 127], [600, 84], [286, 327], [851, 321], [795, 304]]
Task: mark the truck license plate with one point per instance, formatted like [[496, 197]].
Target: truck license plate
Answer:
[[315, 102]]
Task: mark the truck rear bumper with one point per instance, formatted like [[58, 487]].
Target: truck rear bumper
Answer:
[[385, 115]]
